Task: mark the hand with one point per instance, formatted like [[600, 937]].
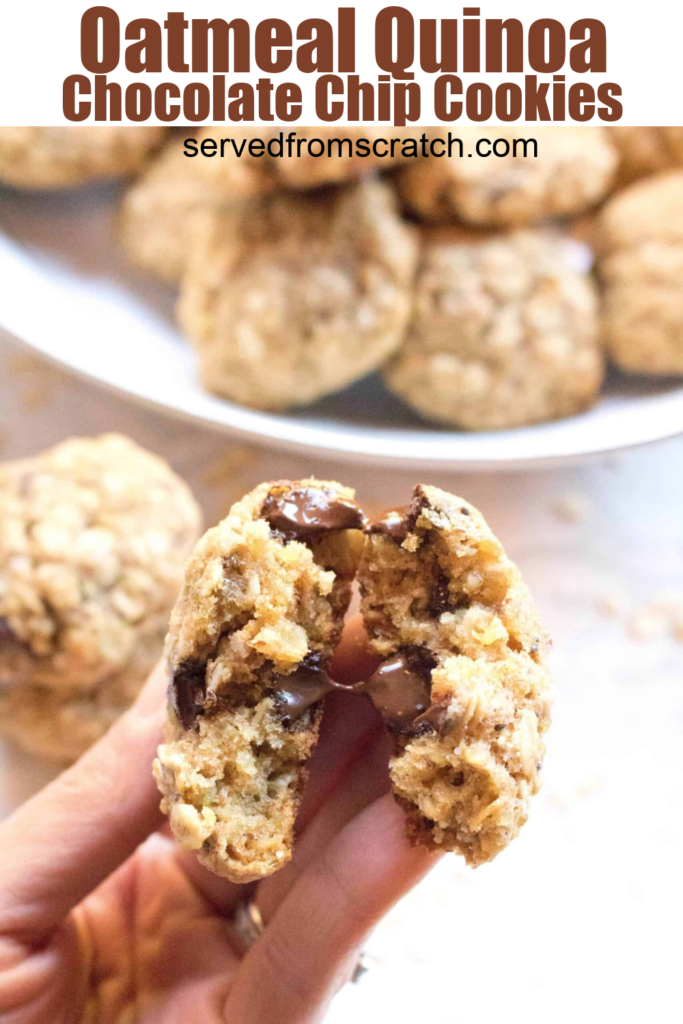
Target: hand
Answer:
[[103, 918]]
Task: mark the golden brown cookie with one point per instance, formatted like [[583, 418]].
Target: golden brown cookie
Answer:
[[93, 537], [644, 151], [36, 158], [573, 170], [640, 240], [504, 331], [341, 159], [259, 615], [295, 295], [171, 203], [462, 683]]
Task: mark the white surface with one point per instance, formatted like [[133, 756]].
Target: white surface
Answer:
[[67, 292], [580, 919]]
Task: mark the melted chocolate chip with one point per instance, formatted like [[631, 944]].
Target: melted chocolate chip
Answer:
[[400, 688], [398, 523], [306, 511], [433, 720], [301, 689], [188, 691], [391, 524]]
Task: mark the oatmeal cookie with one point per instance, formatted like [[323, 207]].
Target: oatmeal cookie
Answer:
[[640, 241], [645, 151], [462, 684], [60, 725], [503, 332], [295, 295], [93, 537], [260, 613], [574, 169], [174, 200], [344, 163], [36, 158]]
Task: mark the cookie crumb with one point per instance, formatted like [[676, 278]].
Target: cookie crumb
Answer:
[[644, 624], [572, 508], [608, 606]]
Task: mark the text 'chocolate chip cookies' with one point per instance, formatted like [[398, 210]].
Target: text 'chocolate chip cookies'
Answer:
[[461, 684]]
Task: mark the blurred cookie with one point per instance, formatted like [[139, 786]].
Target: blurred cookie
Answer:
[[260, 612], [170, 204], [640, 239], [574, 169], [61, 725], [36, 158], [340, 161], [645, 151], [295, 295], [93, 537], [462, 683], [504, 331]]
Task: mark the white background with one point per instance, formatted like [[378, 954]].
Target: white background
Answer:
[[39, 47]]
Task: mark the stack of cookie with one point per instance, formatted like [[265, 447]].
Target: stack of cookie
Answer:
[[93, 538], [459, 279], [300, 276]]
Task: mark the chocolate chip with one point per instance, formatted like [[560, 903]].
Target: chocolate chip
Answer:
[[458, 779], [391, 524], [188, 691], [400, 688], [303, 512], [398, 523], [296, 692], [439, 595], [465, 511], [500, 727]]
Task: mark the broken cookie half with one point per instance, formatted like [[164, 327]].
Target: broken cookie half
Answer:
[[461, 642], [260, 613], [461, 684]]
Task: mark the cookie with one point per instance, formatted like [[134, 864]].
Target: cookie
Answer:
[[259, 614], [574, 169], [340, 161], [504, 331], [462, 684], [175, 198], [60, 725], [36, 158], [644, 151], [93, 537], [640, 241], [296, 295]]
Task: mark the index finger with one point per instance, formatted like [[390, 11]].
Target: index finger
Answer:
[[59, 846]]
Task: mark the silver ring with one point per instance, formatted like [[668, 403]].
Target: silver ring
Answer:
[[365, 964], [248, 923]]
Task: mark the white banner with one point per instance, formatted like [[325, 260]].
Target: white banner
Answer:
[[314, 63]]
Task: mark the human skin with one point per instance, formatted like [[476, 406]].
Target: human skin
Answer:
[[103, 918]]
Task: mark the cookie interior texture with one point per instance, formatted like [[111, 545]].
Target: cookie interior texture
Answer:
[[260, 612], [443, 605]]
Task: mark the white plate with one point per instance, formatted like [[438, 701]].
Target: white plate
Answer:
[[66, 291]]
